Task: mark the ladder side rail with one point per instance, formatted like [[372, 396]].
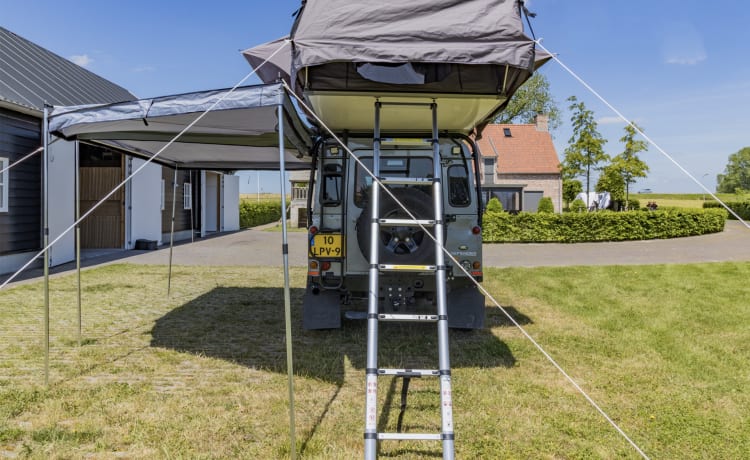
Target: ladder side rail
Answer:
[[371, 403], [446, 400]]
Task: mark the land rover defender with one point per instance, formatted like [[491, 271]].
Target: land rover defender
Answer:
[[339, 229]]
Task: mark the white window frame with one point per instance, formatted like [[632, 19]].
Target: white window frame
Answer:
[[187, 196], [4, 184]]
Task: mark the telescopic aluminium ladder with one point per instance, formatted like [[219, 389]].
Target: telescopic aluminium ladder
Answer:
[[372, 437]]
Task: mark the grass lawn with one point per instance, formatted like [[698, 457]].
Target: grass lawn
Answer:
[[665, 350]]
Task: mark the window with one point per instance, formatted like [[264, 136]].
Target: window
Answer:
[[163, 194], [332, 181], [506, 132], [187, 196], [391, 167], [4, 178], [458, 186]]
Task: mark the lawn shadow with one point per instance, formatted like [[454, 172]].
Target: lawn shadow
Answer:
[[246, 326]]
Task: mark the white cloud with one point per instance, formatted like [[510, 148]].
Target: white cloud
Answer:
[[687, 60], [610, 121], [82, 60], [683, 44], [144, 69]]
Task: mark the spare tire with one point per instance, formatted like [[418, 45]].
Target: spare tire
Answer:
[[408, 245]]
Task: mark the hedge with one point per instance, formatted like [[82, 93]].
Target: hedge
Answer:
[[572, 227], [254, 213], [742, 208]]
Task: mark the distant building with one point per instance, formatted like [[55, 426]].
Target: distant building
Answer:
[[520, 165]]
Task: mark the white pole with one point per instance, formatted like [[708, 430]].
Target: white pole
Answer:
[[171, 232], [77, 167], [258, 185], [45, 226], [287, 301]]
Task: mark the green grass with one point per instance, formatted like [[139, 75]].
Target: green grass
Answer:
[[665, 350], [680, 200]]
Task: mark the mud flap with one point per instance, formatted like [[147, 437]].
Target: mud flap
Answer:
[[321, 309], [466, 308]]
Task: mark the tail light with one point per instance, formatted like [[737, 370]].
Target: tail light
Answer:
[[325, 265], [476, 230], [313, 230]]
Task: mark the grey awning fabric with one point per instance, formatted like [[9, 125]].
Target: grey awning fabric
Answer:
[[241, 132]]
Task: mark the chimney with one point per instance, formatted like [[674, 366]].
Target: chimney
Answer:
[[542, 122]]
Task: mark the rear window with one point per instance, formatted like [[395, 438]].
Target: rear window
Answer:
[[458, 186], [390, 167]]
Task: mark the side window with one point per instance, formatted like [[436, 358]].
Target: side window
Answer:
[[4, 178], [333, 180], [187, 196], [458, 186]]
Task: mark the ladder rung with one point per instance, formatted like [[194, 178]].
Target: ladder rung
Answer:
[[406, 180], [407, 317], [407, 222], [406, 436], [406, 268], [410, 372]]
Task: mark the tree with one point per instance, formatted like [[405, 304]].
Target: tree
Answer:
[[531, 99], [586, 146], [611, 180], [628, 163], [736, 177], [571, 189]]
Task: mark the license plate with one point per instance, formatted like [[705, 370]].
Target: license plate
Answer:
[[326, 245]]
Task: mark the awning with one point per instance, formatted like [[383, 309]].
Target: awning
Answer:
[[240, 132]]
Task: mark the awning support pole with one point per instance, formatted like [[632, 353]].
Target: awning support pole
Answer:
[[77, 167], [45, 217], [287, 300], [171, 232]]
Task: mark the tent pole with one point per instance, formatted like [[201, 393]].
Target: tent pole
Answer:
[[45, 218], [192, 217], [287, 301], [171, 232], [77, 167]]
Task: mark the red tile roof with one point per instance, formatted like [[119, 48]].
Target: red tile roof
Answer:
[[526, 151]]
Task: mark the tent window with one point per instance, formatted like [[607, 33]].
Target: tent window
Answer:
[[187, 196], [4, 178]]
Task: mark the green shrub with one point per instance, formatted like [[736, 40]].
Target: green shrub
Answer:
[[633, 204], [494, 205], [578, 205], [600, 226], [254, 213], [742, 208], [545, 205]]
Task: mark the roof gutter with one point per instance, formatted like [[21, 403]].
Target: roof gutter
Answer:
[[5, 104]]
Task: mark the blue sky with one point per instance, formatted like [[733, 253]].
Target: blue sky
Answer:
[[678, 68]]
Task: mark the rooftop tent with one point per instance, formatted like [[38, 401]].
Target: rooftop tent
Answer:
[[241, 132], [469, 55]]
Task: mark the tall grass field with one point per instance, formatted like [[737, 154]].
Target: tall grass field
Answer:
[[663, 349]]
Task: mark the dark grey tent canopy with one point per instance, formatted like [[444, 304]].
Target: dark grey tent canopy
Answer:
[[470, 55], [241, 132]]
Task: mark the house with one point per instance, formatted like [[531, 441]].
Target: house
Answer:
[[31, 77], [520, 165]]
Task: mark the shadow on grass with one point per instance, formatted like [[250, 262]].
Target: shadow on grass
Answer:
[[246, 326]]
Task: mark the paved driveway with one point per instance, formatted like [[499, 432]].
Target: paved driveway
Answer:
[[259, 247], [263, 248]]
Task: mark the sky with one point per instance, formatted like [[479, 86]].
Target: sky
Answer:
[[678, 68]]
